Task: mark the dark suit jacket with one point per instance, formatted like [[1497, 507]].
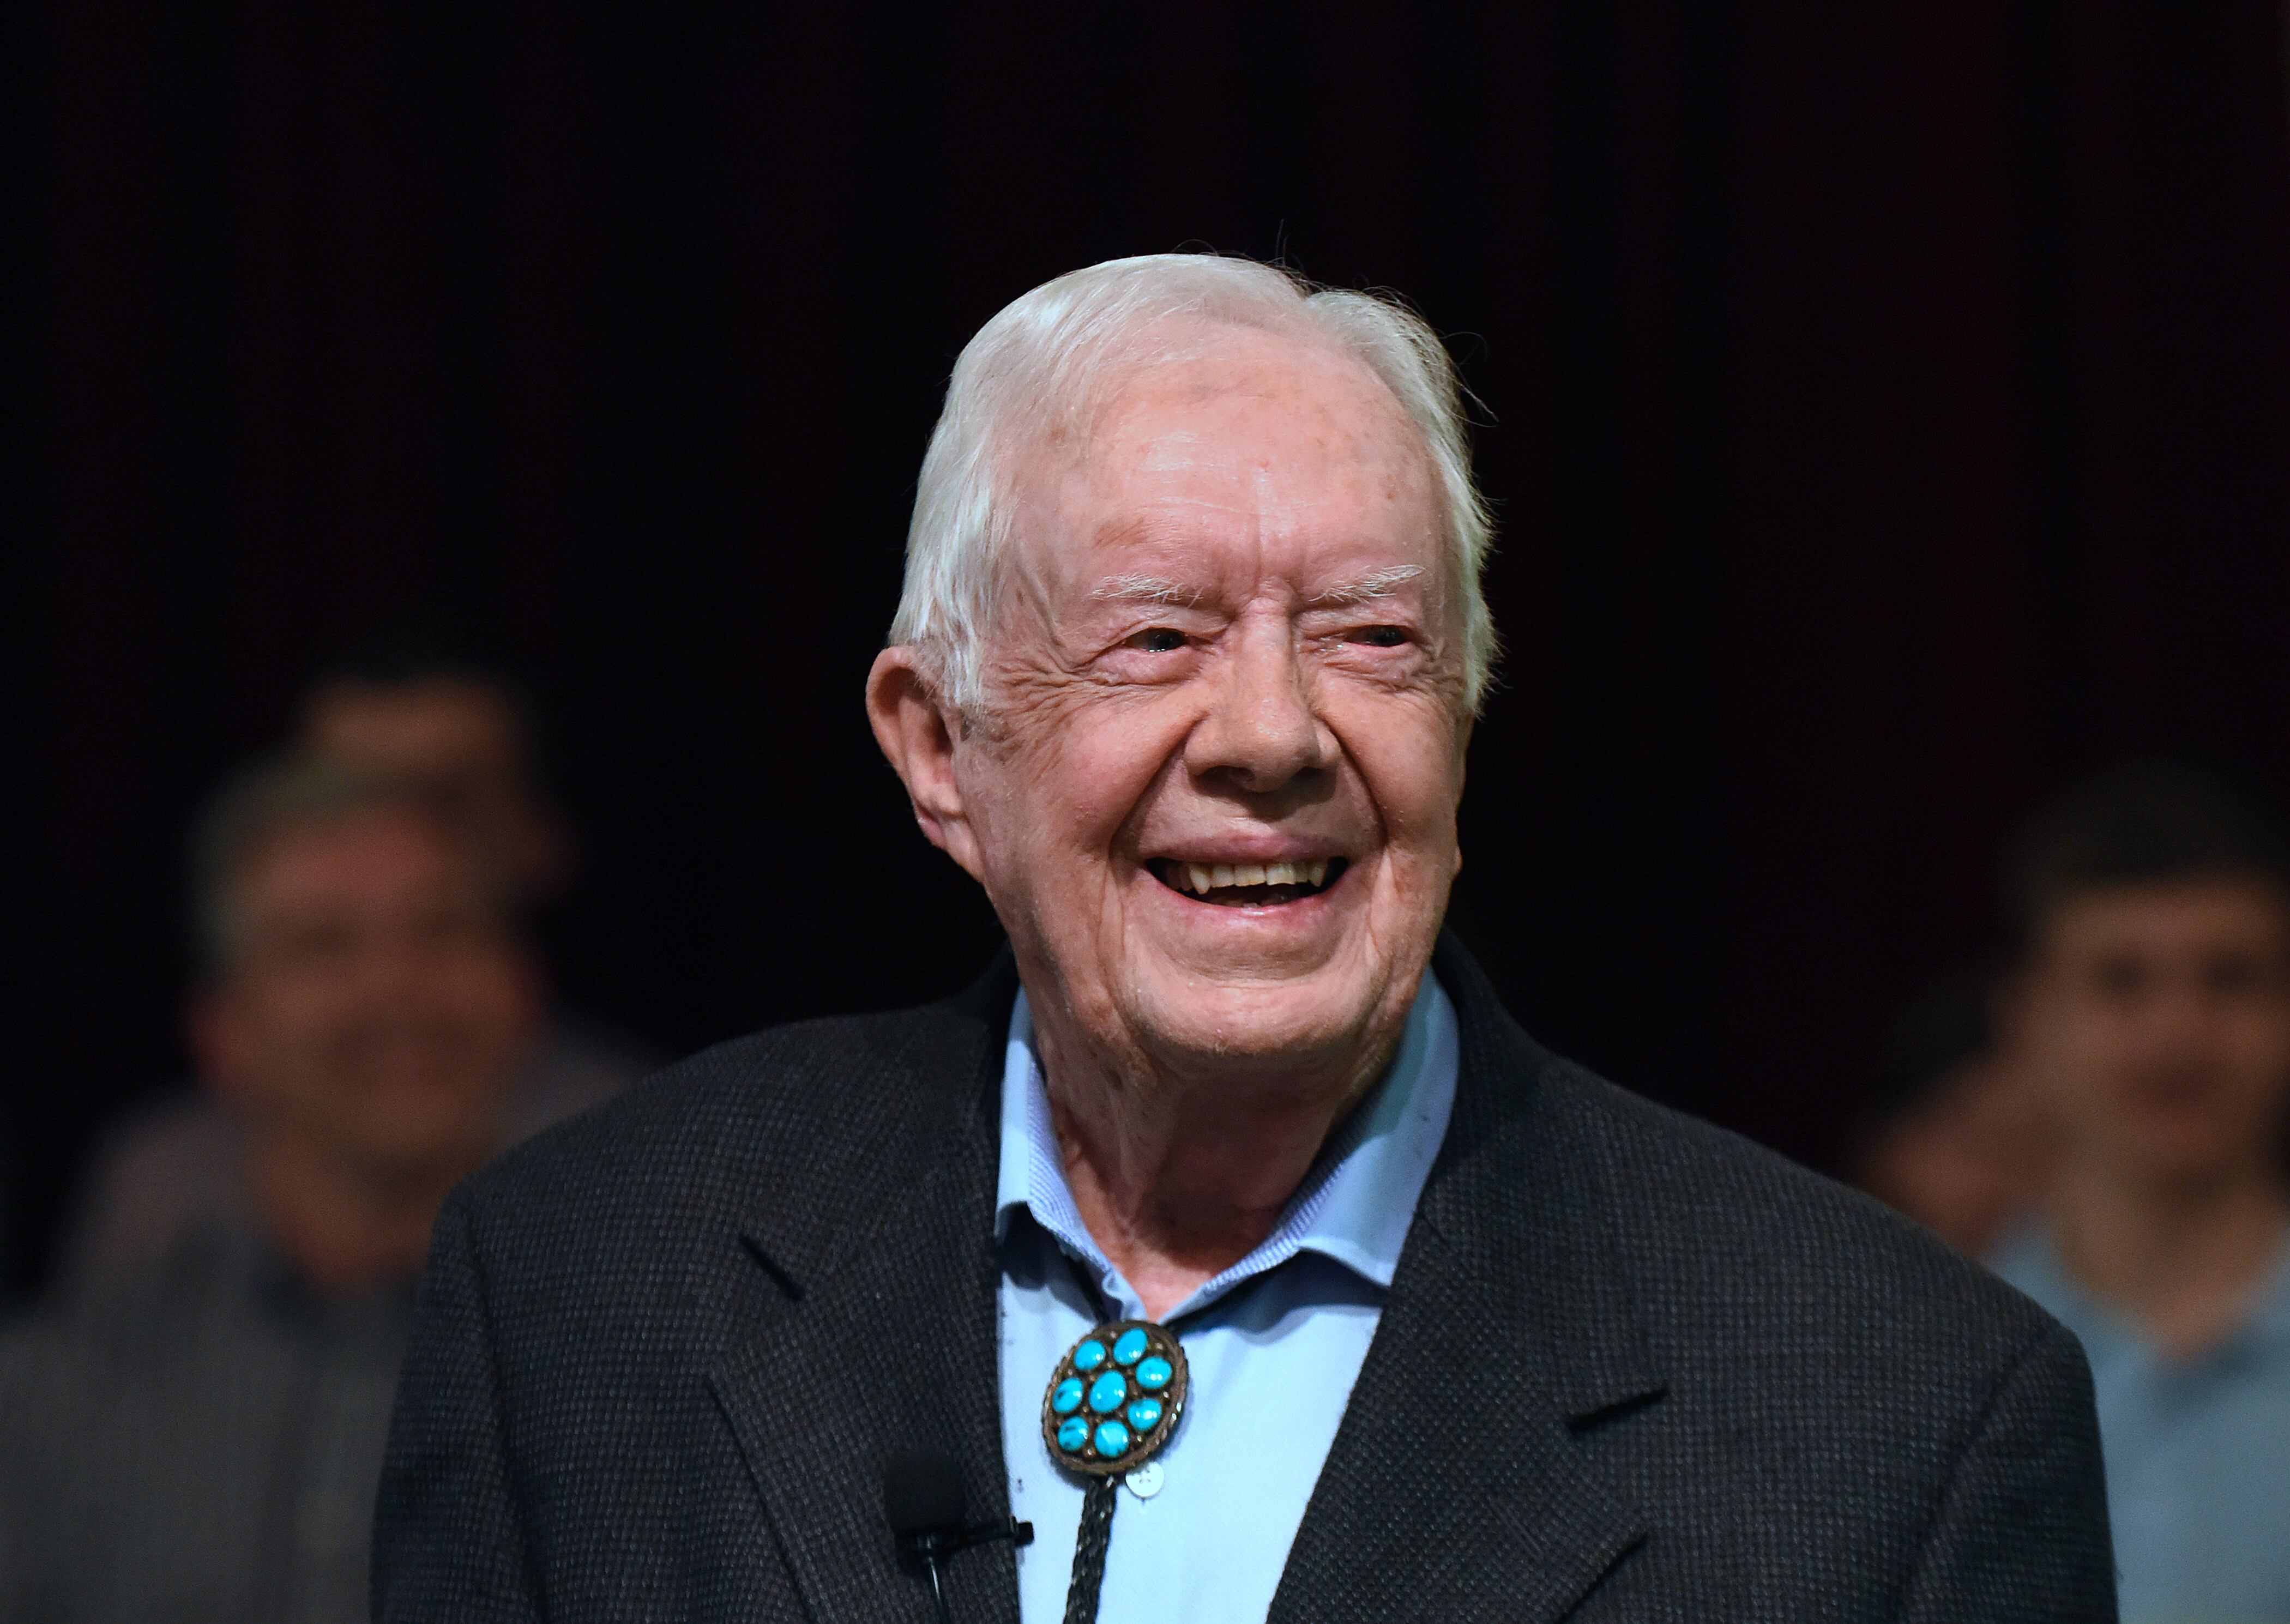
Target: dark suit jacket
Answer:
[[1631, 1367]]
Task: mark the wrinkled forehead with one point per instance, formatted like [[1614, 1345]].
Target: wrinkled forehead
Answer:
[[1236, 449]]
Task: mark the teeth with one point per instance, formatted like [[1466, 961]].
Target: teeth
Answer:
[[1202, 878]]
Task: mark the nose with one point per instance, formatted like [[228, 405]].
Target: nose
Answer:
[[1260, 731]]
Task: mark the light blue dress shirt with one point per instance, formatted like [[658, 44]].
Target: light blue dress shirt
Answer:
[[1273, 1344], [2197, 1452]]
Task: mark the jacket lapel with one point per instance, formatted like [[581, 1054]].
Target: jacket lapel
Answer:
[[878, 1334], [1459, 1485]]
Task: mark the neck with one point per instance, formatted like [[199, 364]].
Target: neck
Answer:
[[347, 1231], [1179, 1174], [2183, 1259]]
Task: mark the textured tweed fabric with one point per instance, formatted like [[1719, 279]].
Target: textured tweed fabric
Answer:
[[1630, 1368]]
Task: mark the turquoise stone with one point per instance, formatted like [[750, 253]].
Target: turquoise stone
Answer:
[[1129, 1347], [1145, 1415], [1106, 1394], [1089, 1356], [1154, 1374], [1073, 1436], [1067, 1399], [1112, 1438]]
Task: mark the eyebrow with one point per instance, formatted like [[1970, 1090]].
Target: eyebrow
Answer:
[[1144, 589], [1159, 589], [1367, 588]]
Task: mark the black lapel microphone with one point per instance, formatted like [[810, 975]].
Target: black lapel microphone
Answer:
[[924, 1502]]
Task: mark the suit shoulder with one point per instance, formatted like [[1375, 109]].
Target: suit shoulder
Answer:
[[1730, 1229]]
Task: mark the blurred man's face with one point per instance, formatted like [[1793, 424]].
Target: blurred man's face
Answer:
[[1969, 1160], [457, 745], [2157, 1019], [1213, 792], [377, 1010]]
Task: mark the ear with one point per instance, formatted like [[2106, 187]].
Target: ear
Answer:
[[545, 854], [529, 985], [2012, 1012], [1462, 758], [213, 1029], [918, 733]]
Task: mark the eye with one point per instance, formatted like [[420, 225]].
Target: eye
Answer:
[[2120, 978], [1379, 636], [2235, 975], [1157, 640]]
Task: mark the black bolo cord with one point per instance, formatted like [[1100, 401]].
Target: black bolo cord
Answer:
[[1089, 1550]]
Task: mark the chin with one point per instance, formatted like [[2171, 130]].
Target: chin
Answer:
[[1252, 1018], [2191, 1159], [419, 1128], [410, 1155]]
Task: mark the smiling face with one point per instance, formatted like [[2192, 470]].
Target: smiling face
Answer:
[[2157, 1018], [376, 1010], [1212, 790]]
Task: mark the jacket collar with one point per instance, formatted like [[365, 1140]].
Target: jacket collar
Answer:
[[1512, 1282], [1435, 1502], [877, 1334], [1354, 1207]]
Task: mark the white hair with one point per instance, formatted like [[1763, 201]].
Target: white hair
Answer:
[[1040, 367]]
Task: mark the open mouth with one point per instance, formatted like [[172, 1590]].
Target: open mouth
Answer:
[[1247, 884]]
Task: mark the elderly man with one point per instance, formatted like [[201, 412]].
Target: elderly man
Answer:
[[1228, 1232]]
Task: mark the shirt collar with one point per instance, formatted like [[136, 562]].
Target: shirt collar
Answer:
[[1354, 1207], [2028, 1260]]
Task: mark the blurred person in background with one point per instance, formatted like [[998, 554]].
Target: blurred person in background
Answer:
[[11, 1263], [418, 710], [203, 1442], [2151, 1008], [1952, 1134], [420, 707]]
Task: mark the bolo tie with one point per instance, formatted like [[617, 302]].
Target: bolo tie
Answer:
[[1112, 1404]]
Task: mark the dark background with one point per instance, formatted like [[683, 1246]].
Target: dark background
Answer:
[[1886, 411]]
